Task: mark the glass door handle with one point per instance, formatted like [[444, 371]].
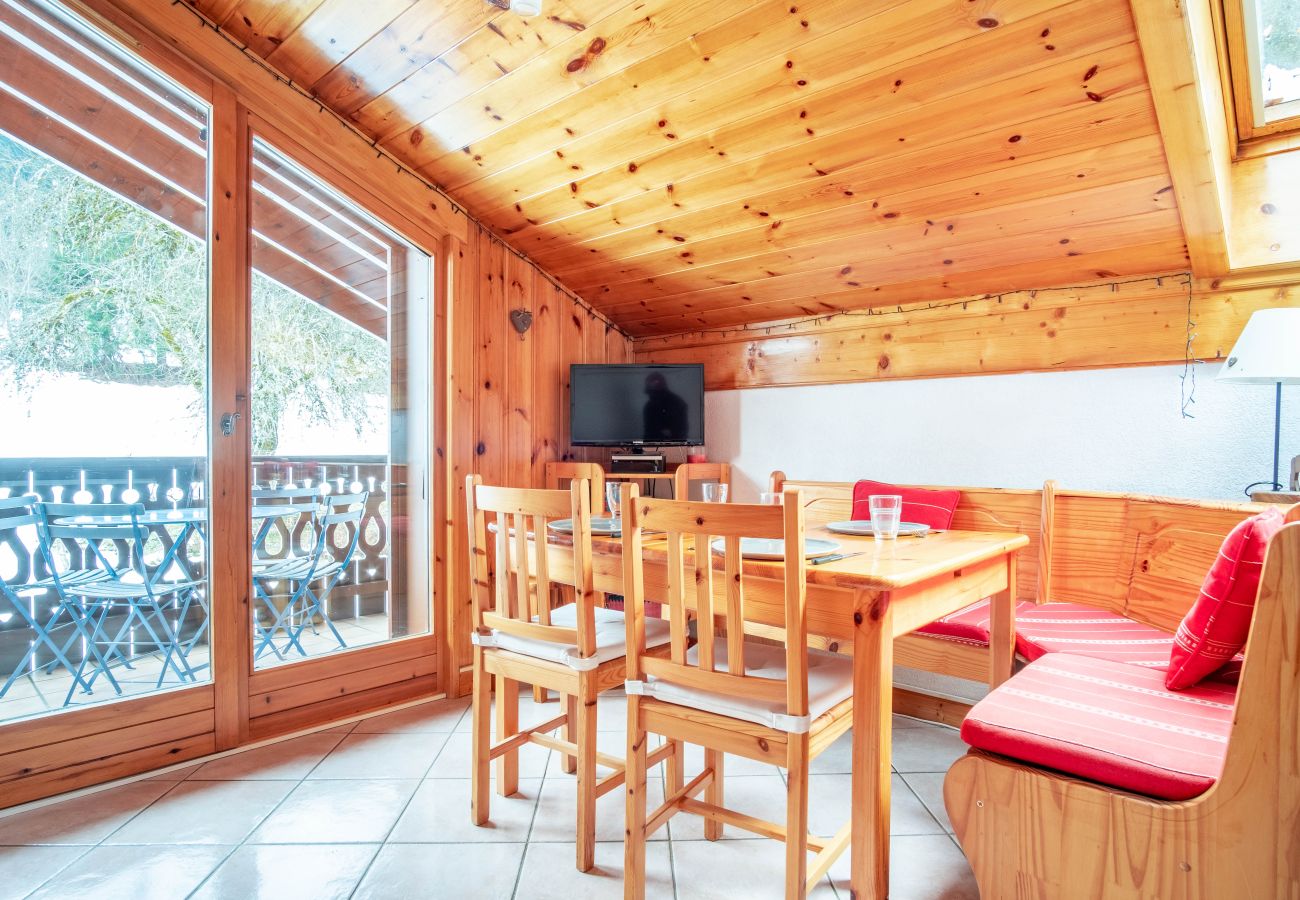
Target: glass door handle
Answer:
[[228, 423]]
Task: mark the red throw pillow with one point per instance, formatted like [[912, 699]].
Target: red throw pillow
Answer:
[[927, 507], [1216, 627]]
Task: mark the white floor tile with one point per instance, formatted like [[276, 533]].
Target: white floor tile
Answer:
[[204, 812], [310, 872], [138, 873], [454, 761], [84, 820], [928, 787], [761, 796], [437, 717], [921, 867], [290, 760], [440, 813], [557, 812], [442, 872], [745, 870], [336, 812], [929, 748], [27, 868], [550, 873], [380, 756]]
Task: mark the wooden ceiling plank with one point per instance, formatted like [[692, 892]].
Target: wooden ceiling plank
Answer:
[[946, 224], [264, 26], [703, 83], [908, 259], [1134, 260], [1177, 39], [636, 32], [410, 41], [503, 45], [1121, 117], [332, 33], [1100, 293], [1025, 250], [841, 86], [850, 197], [793, 154]]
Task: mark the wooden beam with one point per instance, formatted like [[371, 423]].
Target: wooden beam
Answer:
[[1178, 43], [1142, 323]]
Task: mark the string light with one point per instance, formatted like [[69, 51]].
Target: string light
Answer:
[[381, 153]]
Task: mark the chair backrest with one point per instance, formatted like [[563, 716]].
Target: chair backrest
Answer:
[[558, 473], [684, 474], [90, 526], [502, 518], [340, 511], [979, 509], [299, 499], [16, 513], [716, 597]]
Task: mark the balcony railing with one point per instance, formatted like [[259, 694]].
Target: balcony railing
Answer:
[[170, 483]]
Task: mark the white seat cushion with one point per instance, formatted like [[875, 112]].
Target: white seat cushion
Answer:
[[830, 681], [611, 638]]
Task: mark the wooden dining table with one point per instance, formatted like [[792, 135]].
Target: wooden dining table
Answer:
[[858, 604]]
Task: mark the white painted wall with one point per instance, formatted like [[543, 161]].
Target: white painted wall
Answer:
[[1109, 429]]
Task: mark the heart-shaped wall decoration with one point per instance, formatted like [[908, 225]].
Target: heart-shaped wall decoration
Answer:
[[522, 319]]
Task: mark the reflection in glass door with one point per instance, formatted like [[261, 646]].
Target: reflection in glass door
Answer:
[[340, 421], [103, 371]]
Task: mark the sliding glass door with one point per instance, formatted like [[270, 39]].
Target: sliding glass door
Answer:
[[340, 420], [104, 590]]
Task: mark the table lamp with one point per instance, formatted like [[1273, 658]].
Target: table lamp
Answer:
[[1267, 352]]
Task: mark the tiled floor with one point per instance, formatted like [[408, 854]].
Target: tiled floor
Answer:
[[380, 810]]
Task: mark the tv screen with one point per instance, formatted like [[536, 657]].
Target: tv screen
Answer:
[[626, 406]]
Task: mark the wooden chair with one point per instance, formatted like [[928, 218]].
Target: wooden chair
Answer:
[[684, 474], [557, 473], [1032, 832], [576, 650], [709, 694]]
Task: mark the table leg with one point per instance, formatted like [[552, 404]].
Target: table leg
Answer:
[[1002, 628], [873, 694]]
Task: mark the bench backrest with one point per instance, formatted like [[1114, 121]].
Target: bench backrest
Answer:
[[980, 509], [1137, 555]]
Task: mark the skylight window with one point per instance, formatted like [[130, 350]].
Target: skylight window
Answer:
[[1263, 38]]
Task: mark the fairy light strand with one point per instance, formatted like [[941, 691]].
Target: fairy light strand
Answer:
[[380, 153]]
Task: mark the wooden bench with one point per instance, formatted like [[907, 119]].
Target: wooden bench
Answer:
[[1137, 556], [1032, 832]]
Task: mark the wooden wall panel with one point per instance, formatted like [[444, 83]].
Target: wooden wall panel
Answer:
[[1138, 323], [510, 391]]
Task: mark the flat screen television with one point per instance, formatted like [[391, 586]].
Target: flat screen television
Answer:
[[636, 406]]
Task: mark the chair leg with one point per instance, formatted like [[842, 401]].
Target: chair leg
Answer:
[[507, 726], [796, 818], [634, 837], [567, 762], [481, 786], [713, 759], [675, 776], [586, 741]]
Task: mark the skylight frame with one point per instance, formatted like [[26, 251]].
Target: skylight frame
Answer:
[[1244, 78]]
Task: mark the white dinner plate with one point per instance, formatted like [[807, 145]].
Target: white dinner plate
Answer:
[[771, 548], [602, 525], [863, 527]]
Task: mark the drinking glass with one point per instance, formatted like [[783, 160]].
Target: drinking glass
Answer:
[[612, 491], [715, 492], [886, 511], [771, 498]]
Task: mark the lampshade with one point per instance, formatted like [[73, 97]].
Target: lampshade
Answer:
[[1267, 350], [526, 7]]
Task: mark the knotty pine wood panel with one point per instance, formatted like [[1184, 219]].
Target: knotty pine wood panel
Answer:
[[631, 144], [510, 392], [1134, 324]]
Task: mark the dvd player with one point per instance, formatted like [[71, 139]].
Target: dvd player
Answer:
[[636, 463]]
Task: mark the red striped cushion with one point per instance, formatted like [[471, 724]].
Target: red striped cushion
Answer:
[[1108, 722], [1215, 628], [933, 508], [1089, 631], [970, 625]]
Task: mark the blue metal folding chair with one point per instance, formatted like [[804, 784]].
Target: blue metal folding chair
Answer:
[[23, 513], [128, 585], [305, 606]]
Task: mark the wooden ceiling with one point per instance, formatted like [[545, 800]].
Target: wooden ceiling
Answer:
[[686, 164]]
